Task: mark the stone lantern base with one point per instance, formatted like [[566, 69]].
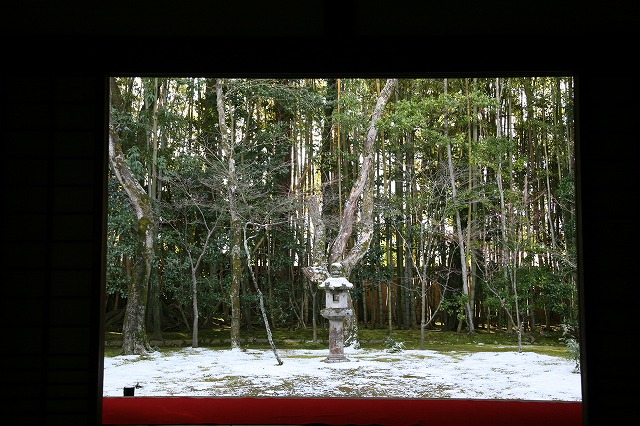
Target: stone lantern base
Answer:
[[336, 358], [336, 337]]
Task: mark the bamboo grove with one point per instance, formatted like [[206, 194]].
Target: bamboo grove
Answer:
[[215, 186]]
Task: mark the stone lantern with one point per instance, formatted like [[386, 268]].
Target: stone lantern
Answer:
[[337, 309]]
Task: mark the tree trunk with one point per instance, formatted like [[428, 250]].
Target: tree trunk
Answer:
[[400, 251], [472, 135], [461, 243], [260, 297], [236, 226], [365, 314], [380, 305], [510, 270], [363, 186], [194, 306], [134, 330], [195, 267], [154, 303]]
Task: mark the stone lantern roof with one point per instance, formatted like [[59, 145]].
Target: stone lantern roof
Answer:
[[333, 283], [336, 280]]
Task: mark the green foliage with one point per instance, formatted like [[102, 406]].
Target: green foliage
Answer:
[[548, 290], [455, 304], [566, 201], [279, 303], [351, 116], [371, 267], [539, 287], [481, 100], [392, 345], [569, 337], [121, 238], [412, 114], [498, 151]]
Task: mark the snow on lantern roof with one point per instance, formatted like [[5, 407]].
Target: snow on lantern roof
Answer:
[[333, 283], [336, 280]]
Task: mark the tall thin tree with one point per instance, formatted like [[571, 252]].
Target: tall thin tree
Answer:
[[459, 232], [228, 143]]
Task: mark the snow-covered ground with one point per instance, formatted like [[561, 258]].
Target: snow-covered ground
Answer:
[[368, 373]]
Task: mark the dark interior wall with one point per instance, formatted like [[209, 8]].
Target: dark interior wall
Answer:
[[56, 59], [51, 250]]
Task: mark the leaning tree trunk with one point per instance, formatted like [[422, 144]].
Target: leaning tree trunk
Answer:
[[133, 330], [263, 310], [362, 188]]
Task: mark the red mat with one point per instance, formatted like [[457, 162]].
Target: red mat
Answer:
[[337, 411]]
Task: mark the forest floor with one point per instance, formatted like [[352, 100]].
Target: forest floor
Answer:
[[550, 342]]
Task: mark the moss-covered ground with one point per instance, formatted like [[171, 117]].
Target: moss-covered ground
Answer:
[[482, 340]]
